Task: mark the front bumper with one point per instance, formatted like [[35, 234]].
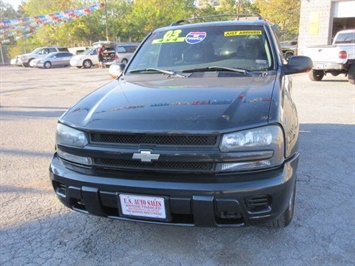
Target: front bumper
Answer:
[[230, 201], [76, 63]]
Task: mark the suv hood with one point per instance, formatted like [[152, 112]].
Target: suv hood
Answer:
[[150, 103]]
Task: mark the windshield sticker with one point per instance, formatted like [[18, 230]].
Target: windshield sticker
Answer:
[[169, 37], [195, 37], [242, 32]]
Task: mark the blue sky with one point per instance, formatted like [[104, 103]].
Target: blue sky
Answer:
[[14, 3]]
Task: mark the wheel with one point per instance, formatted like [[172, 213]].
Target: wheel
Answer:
[[286, 218], [79, 66], [26, 64], [351, 73], [124, 61], [47, 64], [87, 63], [316, 75], [288, 55]]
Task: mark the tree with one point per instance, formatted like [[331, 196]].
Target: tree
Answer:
[[7, 11], [147, 15], [284, 13]]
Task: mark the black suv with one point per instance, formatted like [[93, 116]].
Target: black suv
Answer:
[[198, 129]]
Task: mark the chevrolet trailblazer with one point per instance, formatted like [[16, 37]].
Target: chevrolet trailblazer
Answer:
[[198, 129]]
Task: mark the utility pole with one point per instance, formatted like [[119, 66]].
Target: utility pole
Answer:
[[238, 8], [106, 20]]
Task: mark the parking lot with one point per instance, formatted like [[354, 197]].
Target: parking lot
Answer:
[[36, 229]]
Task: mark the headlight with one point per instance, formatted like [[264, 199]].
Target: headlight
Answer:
[[68, 136], [260, 137], [264, 147]]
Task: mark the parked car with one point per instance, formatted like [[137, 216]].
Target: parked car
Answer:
[[25, 59], [289, 48], [89, 58], [57, 59], [198, 129], [335, 59], [123, 52], [113, 53]]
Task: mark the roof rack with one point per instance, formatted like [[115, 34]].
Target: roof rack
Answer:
[[212, 17]]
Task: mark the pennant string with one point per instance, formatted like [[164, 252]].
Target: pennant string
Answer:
[[11, 28]]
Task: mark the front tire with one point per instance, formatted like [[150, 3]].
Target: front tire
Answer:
[[47, 64], [351, 73], [288, 55], [87, 64], [315, 75], [286, 217]]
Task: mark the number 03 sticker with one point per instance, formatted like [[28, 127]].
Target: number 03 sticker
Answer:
[[170, 36]]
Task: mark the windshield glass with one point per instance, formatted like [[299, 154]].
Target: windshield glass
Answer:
[[188, 48], [36, 51], [51, 55], [90, 51]]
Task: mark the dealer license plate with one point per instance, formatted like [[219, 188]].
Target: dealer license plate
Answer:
[[142, 206]]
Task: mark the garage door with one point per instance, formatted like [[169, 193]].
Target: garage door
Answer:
[[344, 9]]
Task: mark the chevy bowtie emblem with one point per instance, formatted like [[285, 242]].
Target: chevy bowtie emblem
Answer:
[[145, 156]]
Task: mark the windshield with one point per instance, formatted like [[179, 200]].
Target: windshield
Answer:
[[205, 49], [90, 51], [50, 55], [36, 51]]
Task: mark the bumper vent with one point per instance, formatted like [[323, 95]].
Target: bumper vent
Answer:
[[259, 204]]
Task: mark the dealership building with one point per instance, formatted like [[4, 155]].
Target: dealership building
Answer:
[[320, 20]]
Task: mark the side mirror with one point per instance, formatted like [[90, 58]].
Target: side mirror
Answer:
[[297, 64], [116, 71]]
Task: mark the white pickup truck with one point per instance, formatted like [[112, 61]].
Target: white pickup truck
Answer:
[[338, 58]]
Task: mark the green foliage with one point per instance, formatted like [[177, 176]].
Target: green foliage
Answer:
[[147, 15], [284, 13]]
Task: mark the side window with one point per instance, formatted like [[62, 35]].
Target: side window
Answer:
[[131, 49], [120, 49], [51, 50]]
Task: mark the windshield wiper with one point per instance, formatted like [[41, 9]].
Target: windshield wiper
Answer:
[[167, 72], [216, 68]]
